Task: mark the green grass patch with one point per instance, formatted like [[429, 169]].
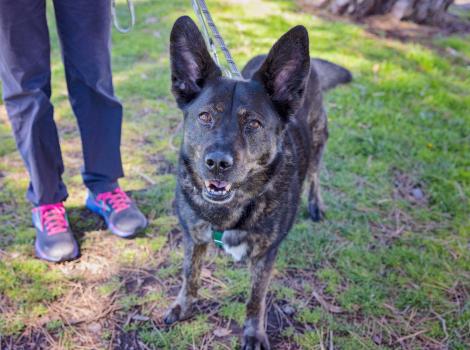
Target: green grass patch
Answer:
[[180, 337]]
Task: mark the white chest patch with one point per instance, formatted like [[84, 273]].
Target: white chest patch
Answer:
[[237, 252]]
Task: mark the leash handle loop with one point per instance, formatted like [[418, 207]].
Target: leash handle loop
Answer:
[[117, 25]]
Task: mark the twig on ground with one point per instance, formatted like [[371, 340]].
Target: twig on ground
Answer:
[[326, 305], [443, 324], [411, 335], [147, 178], [141, 344], [320, 337], [280, 312]]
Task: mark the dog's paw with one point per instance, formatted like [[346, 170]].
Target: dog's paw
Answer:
[[177, 313], [253, 340], [316, 212]]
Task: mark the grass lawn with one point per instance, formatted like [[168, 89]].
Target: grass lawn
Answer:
[[388, 269]]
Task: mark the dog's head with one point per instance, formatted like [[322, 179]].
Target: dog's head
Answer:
[[233, 128]]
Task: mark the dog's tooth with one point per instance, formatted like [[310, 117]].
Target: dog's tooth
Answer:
[[228, 187]]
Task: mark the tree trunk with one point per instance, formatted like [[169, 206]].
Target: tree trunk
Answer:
[[431, 12]]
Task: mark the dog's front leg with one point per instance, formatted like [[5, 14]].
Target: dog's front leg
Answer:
[[254, 332], [182, 306]]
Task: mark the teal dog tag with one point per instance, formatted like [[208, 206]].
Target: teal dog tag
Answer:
[[217, 238]]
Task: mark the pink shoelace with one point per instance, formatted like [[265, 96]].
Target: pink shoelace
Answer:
[[118, 199], [53, 218]]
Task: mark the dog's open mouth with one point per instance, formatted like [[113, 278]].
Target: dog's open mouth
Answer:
[[219, 192]]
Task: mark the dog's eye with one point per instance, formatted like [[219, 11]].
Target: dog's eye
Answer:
[[254, 124], [205, 118]]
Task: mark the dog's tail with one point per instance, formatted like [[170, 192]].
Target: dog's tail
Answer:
[[330, 74]]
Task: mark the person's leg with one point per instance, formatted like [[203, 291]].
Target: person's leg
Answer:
[[25, 73], [84, 28], [85, 33]]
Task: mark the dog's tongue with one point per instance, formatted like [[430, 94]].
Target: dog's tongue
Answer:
[[218, 184]]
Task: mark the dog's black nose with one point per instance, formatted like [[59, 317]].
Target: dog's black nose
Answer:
[[219, 161]]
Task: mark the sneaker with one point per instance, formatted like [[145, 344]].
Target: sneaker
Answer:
[[54, 239], [120, 213]]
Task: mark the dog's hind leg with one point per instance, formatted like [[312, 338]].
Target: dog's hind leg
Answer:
[[193, 256], [316, 207], [254, 330]]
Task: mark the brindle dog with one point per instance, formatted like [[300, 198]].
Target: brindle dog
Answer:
[[248, 146]]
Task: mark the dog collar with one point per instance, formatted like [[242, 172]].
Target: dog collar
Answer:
[[217, 238]]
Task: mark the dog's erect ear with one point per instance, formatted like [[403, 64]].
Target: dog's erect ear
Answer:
[[191, 64], [285, 70]]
